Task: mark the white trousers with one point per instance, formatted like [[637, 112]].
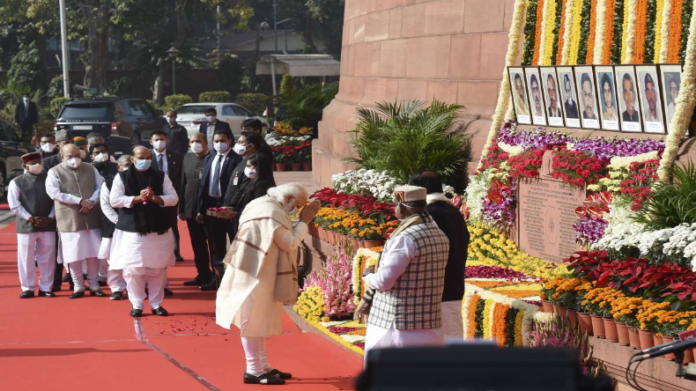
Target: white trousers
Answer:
[[139, 278], [256, 357], [76, 269], [377, 337], [452, 323], [39, 247], [115, 280], [103, 270]]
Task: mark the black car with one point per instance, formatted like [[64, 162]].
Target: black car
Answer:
[[124, 122], [11, 151]]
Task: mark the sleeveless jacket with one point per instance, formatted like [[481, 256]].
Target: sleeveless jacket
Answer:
[[80, 183], [414, 301], [143, 218], [33, 197]]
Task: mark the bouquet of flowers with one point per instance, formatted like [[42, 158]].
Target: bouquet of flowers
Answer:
[[577, 168]]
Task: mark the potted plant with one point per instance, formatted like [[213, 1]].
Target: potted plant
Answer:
[[280, 159], [584, 319]]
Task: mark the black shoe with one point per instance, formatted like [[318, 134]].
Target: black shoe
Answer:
[[209, 287], [116, 296], [265, 379], [282, 375], [56, 288], [179, 258], [77, 295], [136, 313], [195, 282], [72, 286], [26, 295], [168, 292], [67, 278], [102, 283], [46, 294], [97, 293], [160, 311]]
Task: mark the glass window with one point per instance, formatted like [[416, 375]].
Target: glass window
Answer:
[[241, 111], [86, 111], [193, 110], [137, 108], [229, 111]]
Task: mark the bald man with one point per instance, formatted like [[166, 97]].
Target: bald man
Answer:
[[74, 187], [143, 243]]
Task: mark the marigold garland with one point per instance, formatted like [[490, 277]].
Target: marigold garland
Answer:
[[627, 56], [560, 35], [675, 31], [537, 36], [529, 30], [586, 15], [608, 33], [576, 24], [661, 34], [591, 40], [568, 26], [641, 16], [687, 10], [519, 322], [651, 25], [595, 55], [549, 32], [499, 324], [471, 316]]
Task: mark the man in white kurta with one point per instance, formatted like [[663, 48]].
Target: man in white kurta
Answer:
[[143, 256], [75, 186]]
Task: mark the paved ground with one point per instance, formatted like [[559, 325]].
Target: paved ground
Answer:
[[63, 344]]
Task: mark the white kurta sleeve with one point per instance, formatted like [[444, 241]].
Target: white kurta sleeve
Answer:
[[169, 197], [106, 208], [393, 263], [289, 240], [53, 191], [118, 198], [97, 187], [15, 204]]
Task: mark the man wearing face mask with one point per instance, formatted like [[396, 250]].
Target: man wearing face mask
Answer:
[[63, 137], [217, 175], [212, 126], [47, 146], [114, 278], [26, 116], [176, 134], [75, 186], [99, 154], [188, 202], [171, 163], [405, 292], [36, 227], [143, 243]]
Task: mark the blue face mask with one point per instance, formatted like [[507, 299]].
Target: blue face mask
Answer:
[[142, 164]]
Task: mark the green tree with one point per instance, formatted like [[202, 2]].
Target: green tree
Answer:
[[287, 85], [27, 68]]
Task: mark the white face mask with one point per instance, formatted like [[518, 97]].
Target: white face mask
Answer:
[[101, 157], [74, 162], [159, 145], [196, 148], [26, 100], [171, 120], [35, 169], [142, 164], [250, 172], [221, 147], [211, 118], [48, 147], [239, 149]]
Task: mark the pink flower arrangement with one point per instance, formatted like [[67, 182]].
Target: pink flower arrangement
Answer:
[[336, 283], [494, 272]]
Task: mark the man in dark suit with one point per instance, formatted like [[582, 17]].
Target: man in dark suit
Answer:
[[26, 116], [171, 163], [176, 134], [62, 137], [217, 174], [188, 204], [47, 145], [213, 126], [452, 223]]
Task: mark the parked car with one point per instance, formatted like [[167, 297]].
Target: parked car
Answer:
[[124, 122], [192, 115], [11, 151]]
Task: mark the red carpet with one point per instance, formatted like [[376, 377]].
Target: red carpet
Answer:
[[63, 344]]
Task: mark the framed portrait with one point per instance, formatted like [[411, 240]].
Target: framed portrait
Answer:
[[608, 108], [671, 87], [589, 115], [536, 97], [520, 101], [569, 96], [650, 99], [626, 88], [549, 84]]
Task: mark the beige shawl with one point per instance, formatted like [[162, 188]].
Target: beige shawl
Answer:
[[247, 254]]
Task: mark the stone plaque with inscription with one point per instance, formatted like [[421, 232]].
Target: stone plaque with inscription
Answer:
[[545, 215]]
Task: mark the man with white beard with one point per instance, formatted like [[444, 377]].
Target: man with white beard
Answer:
[[143, 243]]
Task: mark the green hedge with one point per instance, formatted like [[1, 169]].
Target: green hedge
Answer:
[[174, 101], [56, 104], [215, 96], [253, 101]]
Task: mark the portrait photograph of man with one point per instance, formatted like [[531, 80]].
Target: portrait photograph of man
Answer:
[[609, 113], [588, 97], [629, 108], [519, 95], [671, 85], [649, 93], [551, 95], [569, 97], [535, 96]]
